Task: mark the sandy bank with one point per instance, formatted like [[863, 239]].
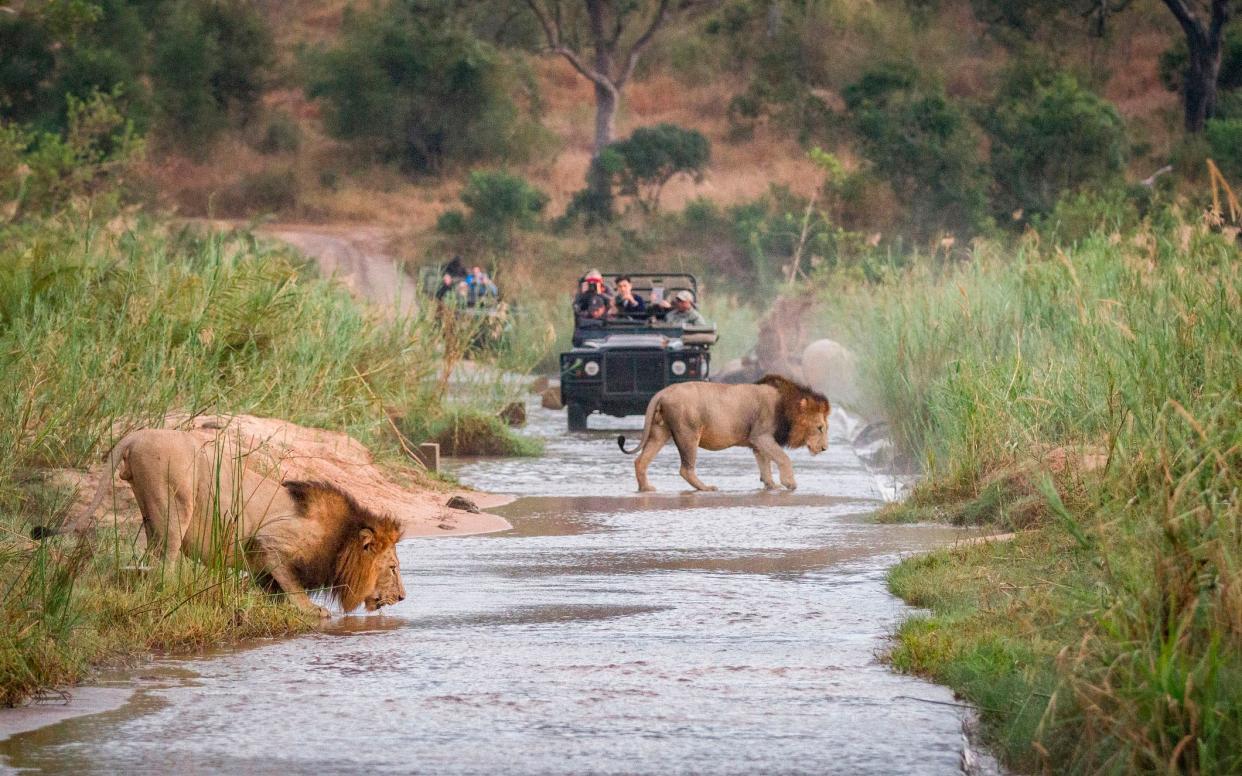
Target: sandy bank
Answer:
[[285, 450]]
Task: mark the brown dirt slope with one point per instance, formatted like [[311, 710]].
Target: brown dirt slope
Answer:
[[290, 451]]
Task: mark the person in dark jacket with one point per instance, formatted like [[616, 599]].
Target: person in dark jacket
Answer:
[[628, 303]]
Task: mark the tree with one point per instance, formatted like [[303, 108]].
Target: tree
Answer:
[[1204, 40], [652, 156], [1050, 135], [415, 93], [611, 62], [922, 143]]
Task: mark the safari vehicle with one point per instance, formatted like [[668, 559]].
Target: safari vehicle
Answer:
[[617, 364], [489, 319]]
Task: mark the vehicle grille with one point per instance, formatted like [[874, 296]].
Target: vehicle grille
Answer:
[[631, 373]]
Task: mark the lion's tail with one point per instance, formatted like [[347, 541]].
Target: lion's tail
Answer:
[[83, 521], [653, 410]]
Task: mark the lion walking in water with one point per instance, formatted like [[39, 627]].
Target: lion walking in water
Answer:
[[767, 416]]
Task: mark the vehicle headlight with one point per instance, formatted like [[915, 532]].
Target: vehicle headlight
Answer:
[[591, 368], [679, 368]]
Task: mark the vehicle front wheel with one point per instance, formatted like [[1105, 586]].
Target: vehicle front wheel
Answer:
[[577, 417]]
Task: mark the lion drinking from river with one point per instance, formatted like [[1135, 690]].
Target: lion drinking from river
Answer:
[[199, 499], [766, 416]]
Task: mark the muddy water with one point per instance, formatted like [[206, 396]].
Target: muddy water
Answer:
[[734, 632]]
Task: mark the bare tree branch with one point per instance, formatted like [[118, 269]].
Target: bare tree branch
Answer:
[[552, 31], [644, 40]]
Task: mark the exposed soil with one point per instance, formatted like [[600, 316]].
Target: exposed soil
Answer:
[[290, 451], [358, 256]]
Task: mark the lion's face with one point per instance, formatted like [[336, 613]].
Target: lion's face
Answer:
[[810, 427], [372, 576], [387, 588]]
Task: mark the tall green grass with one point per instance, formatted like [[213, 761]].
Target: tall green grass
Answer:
[[1090, 392], [104, 329]]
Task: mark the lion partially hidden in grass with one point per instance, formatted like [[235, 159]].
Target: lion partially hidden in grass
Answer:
[[199, 499], [773, 413]]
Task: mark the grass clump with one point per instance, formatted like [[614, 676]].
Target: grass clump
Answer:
[[1086, 394], [469, 431]]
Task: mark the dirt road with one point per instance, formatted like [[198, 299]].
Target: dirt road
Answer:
[[358, 256]]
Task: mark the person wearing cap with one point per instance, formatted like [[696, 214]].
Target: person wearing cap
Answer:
[[683, 311], [592, 286]]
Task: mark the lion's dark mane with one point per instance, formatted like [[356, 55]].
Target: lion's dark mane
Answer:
[[792, 394]]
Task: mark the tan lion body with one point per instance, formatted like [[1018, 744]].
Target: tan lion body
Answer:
[[198, 500], [765, 417]]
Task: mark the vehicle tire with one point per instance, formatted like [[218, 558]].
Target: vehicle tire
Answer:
[[577, 417]]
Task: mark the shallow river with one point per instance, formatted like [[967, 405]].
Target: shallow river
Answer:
[[734, 632]]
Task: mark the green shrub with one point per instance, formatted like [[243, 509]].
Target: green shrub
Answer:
[[51, 51], [413, 93], [499, 203], [210, 63], [925, 146], [1224, 137], [270, 190], [91, 160], [451, 222], [652, 156], [472, 432], [1050, 135]]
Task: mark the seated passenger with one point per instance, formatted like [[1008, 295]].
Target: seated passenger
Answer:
[[482, 289], [597, 309], [628, 303], [683, 311], [592, 286], [446, 287]]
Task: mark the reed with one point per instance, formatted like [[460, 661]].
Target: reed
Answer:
[[1089, 395]]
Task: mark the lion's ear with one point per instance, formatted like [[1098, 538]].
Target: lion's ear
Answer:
[[802, 403], [367, 537]]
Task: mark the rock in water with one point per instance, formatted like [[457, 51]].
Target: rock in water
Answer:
[[541, 384], [464, 504], [551, 399]]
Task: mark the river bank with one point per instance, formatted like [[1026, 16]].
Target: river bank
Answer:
[[1084, 396]]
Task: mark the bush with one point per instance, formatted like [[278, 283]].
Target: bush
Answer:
[[266, 191], [49, 52], [499, 203], [451, 222], [1224, 138], [652, 156], [471, 432], [90, 160], [415, 94], [925, 146], [209, 67], [1050, 135]]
